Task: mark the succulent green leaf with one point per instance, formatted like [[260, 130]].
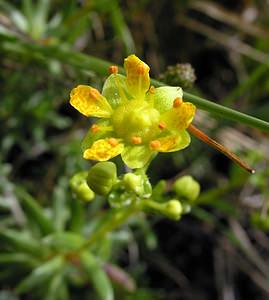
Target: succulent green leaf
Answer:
[[97, 276], [21, 242], [35, 212], [54, 291], [17, 258], [136, 156], [41, 274], [63, 241]]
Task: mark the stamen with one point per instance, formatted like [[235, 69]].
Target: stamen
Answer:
[[162, 125], [151, 92], [113, 70], [152, 89], [136, 140], [155, 144], [177, 102], [95, 128], [113, 142]]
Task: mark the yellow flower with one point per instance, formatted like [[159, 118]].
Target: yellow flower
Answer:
[[136, 120]]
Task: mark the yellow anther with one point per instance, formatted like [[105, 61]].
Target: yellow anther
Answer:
[[177, 102], [162, 125], [94, 93], [136, 140], [95, 128], [113, 142], [113, 70], [155, 144]]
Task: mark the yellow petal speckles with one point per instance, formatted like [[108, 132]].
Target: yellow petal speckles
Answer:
[[172, 143], [104, 149], [179, 117], [90, 102], [138, 80]]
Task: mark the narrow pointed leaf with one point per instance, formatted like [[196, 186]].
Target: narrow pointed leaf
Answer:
[[41, 275], [97, 275], [21, 242], [35, 211]]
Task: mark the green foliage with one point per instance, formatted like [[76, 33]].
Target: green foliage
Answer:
[[54, 246]]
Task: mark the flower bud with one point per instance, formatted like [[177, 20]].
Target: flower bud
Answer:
[[133, 183], [80, 188], [186, 187], [179, 75], [101, 177], [173, 209]]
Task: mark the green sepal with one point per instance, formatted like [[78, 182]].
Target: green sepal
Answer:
[[111, 89], [136, 156], [97, 275], [164, 97]]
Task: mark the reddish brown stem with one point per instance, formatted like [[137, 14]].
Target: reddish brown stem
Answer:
[[208, 140]]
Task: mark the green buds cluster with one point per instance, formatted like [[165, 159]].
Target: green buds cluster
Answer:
[[101, 177], [187, 188], [182, 75], [80, 187]]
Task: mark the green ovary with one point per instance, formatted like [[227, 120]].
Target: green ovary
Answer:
[[136, 119]]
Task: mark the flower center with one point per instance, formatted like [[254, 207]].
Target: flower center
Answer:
[[136, 120]]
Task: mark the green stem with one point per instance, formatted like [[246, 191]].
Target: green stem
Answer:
[[114, 220], [100, 66]]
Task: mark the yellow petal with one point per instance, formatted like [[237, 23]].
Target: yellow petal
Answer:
[[171, 143], [104, 149], [179, 117], [90, 102], [137, 73]]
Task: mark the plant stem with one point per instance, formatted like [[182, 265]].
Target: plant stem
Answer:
[[100, 66], [114, 220]]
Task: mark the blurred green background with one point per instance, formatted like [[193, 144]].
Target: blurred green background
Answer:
[[221, 249]]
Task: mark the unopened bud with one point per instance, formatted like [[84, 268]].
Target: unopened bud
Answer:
[[173, 209], [133, 183], [187, 188], [80, 188], [101, 177]]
